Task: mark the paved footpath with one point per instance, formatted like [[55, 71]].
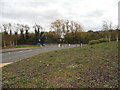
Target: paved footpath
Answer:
[[12, 55], [15, 49]]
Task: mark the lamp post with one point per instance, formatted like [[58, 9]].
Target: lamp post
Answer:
[[118, 28], [119, 15]]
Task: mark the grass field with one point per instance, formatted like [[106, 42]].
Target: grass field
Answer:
[[92, 66]]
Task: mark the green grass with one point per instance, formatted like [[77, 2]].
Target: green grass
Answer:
[[19, 46], [94, 66], [25, 46]]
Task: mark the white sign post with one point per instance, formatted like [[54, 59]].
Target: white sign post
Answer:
[[119, 15]]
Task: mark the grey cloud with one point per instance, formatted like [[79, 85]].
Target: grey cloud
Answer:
[[31, 16], [94, 14], [97, 13], [46, 11]]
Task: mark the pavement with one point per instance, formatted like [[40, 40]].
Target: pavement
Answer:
[[15, 49], [16, 54]]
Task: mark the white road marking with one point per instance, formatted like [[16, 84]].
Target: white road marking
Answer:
[[8, 52], [29, 50], [20, 51]]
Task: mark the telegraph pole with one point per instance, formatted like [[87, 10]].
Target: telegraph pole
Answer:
[[119, 15], [118, 28]]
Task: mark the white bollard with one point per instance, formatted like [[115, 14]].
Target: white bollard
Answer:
[[69, 44], [81, 44], [58, 45]]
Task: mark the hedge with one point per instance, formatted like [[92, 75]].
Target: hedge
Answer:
[[98, 41]]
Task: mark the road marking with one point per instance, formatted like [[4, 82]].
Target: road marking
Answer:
[[20, 51], [8, 52], [29, 50]]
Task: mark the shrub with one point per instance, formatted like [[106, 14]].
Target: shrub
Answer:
[[94, 42], [103, 40], [98, 41]]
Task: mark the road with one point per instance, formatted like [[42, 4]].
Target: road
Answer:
[[10, 57]]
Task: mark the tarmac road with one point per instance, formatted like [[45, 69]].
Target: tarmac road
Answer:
[[13, 56]]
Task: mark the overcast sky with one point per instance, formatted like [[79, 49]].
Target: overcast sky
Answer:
[[89, 13]]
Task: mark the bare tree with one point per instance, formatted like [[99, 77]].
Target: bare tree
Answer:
[[63, 27], [39, 33], [10, 32], [26, 31], [59, 27], [105, 28], [5, 35], [16, 28], [110, 31], [22, 29]]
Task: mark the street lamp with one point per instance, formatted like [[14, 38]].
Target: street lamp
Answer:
[[119, 15]]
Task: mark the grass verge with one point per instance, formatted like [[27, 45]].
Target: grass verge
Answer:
[[25, 46], [19, 46]]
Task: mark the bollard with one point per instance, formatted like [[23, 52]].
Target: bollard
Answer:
[[81, 44], [68, 44], [58, 45]]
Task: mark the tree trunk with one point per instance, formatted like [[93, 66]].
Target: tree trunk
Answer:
[[16, 43], [13, 43], [116, 35], [10, 42], [4, 44], [117, 38]]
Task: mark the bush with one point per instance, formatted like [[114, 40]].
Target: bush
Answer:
[[94, 42], [98, 41], [103, 40]]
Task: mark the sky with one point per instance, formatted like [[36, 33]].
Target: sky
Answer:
[[90, 14]]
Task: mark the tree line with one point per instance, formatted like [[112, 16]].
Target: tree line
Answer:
[[61, 31]]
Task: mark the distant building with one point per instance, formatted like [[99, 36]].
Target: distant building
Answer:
[[119, 14]]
